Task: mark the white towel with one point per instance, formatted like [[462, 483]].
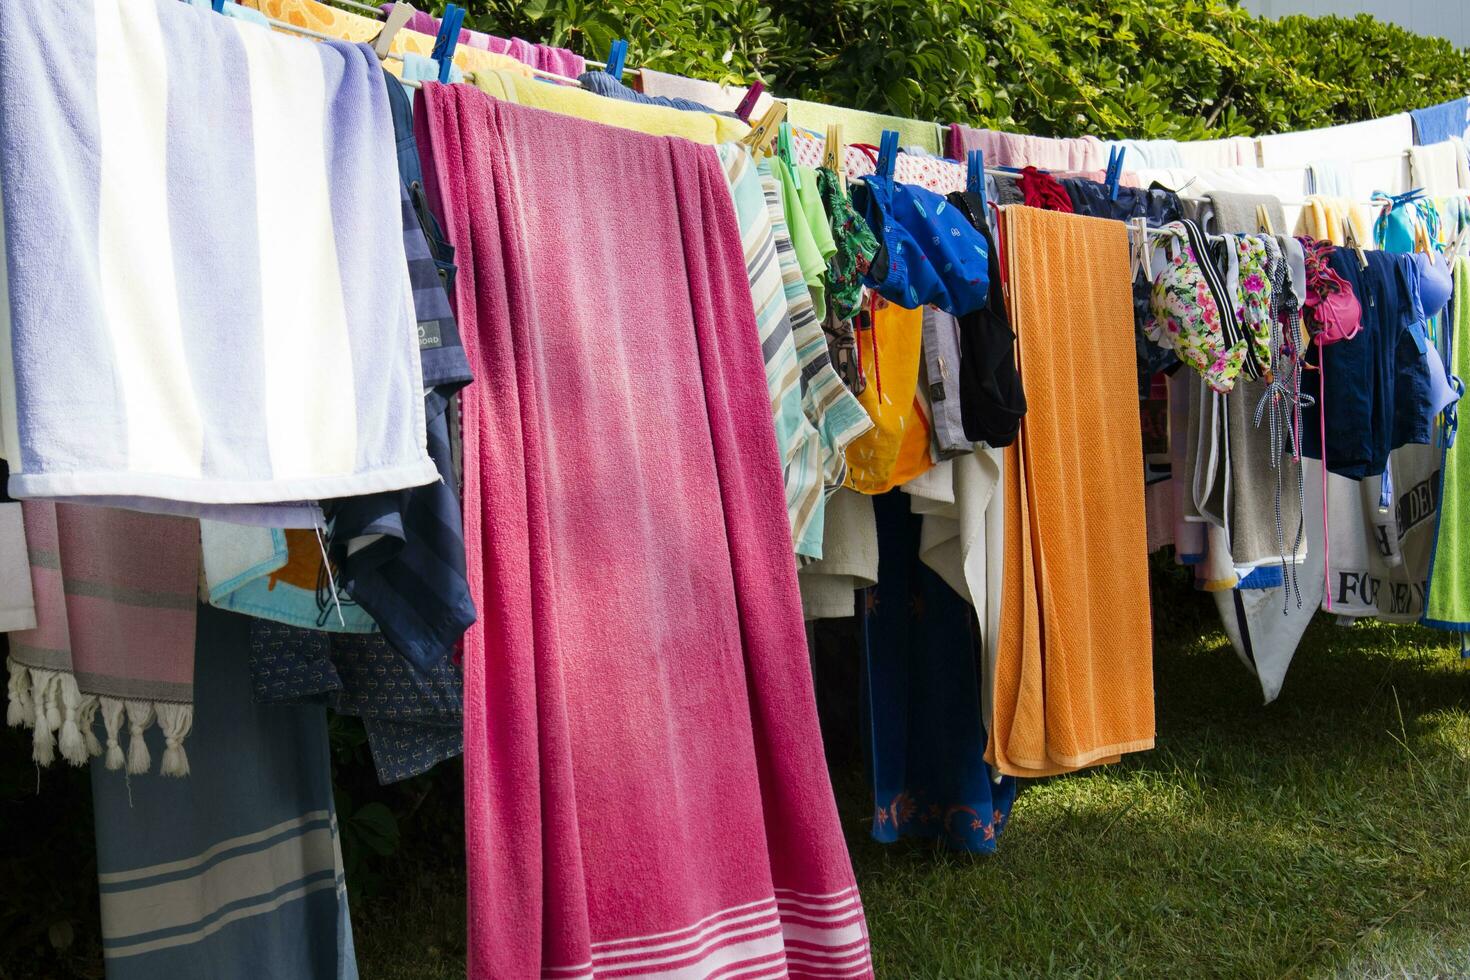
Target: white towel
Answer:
[[1376, 149], [721, 98], [1233, 151], [1436, 168]]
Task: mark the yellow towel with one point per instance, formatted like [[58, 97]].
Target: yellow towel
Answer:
[[355, 28], [896, 449], [1074, 659], [699, 127], [865, 127], [1322, 219]]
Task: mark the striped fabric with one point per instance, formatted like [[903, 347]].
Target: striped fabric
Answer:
[[796, 438], [837, 416], [236, 873], [793, 934], [221, 203]]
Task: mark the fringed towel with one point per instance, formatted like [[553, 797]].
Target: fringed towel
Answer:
[[235, 873], [645, 790], [221, 203], [1074, 661], [115, 614]]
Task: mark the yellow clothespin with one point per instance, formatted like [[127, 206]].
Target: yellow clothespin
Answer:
[[1350, 239], [1263, 220], [832, 153], [759, 138]]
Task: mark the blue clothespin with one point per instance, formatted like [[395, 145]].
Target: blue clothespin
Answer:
[[975, 173], [616, 55], [218, 5], [887, 152], [1115, 170], [447, 40]]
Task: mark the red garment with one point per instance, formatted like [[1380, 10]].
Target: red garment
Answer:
[[1042, 190]]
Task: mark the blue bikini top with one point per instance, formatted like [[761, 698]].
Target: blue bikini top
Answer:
[[929, 254]]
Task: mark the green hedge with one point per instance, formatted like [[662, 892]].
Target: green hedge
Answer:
[[1114, 68]]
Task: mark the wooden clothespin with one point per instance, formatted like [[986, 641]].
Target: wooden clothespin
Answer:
[[447, 40], [1263, 220], [398, 15], [759, 138], [832, 153], [1350, 239], [616, 55], [747, 103]]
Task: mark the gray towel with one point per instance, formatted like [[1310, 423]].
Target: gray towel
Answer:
[[1236, 213]]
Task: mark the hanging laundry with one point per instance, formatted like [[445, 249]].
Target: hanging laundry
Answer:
[[1435, 168], [1074, 680], [811, 240], [1437, 123], [1332, 178], [864, 127], [861, 159], [657, 120], [855, 248], [347, 26], [890, 344], [314, 276], [546, 57], [940, 381], [849, 558], [414, 717], [1153, 153], [1324, 216], [17, 604], [1042, 190], [797, 441], [698, 509], [605, 85], [1232, 151], [1448, 603], [921, 695], [291, 583], [1020, 150], [1090, 197], [1232, 212], [240, 864], [115, 619], [1386, 169], [721, 98]]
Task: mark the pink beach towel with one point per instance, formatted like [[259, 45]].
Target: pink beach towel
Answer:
[[1019, 150], [645, 791]]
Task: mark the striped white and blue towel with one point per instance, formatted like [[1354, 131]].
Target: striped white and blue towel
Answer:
[[209, 302]]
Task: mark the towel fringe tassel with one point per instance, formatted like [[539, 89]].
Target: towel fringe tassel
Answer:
[[112, 716], [140, 716], [73, 746], [20, 709], [175, 720]]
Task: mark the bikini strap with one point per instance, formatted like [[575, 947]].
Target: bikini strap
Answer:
[[887, 153]]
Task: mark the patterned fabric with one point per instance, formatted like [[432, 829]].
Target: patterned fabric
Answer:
[[1256, 295], [413, 717], [931, 173], [1192, 312], [796, 437], [830, 407], [855, 248]]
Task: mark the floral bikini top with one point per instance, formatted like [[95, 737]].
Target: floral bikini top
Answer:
[[1192, 309]]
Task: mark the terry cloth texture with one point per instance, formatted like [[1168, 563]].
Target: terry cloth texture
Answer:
[[289, 584], [1074, 658], [864, 127], [721, 98], [347, 26], [115, 611], [1020, 150], [797, 440], [1234, 212], [414, 718], [604, 84], [599, 738], [1438, 123], [235, 873], [1436, 168], [252, 252], [921, 690], [656, 120], [17, 604], [1448, 605]]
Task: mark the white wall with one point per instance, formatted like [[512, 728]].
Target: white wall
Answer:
[[1445, 18]]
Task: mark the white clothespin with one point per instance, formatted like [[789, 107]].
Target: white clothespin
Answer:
[[397, 17]]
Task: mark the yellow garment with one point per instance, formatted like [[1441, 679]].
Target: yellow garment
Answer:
[[1322, 219], [896, 449], [657, 120], [357, 29], [1074, 655]]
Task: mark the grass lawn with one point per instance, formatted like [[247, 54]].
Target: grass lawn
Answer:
[[1327, 834]]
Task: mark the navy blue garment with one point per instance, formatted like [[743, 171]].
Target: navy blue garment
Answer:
[[604, 84], [928, 252], [414, 718], [1160, 206], [921, 692], [401, 553], [1438, 123], [1360, 374], [1414, 409]]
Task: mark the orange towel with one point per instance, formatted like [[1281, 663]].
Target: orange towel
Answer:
[[896, 449], [1074, 660]]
